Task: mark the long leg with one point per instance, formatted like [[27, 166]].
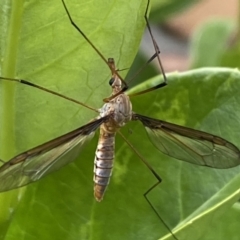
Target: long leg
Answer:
[[125, 87], [159, 180], [22, 81], [157, 52], [143, 67]]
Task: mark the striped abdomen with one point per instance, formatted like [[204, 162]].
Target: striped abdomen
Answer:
[[103, 162], [119, 110]]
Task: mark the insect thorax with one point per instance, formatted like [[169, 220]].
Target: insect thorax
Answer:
[[120, 108]]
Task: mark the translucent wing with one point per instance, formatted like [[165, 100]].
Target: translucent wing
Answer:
[[37, 162], [190, 145]]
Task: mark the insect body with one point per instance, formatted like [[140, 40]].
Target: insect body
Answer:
[[120, 108], [193, 146]]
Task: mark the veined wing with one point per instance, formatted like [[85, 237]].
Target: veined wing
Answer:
[[190, 145], [37, 162]]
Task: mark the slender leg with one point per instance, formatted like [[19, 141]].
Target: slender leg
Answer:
[[125, 87], [22, 81], [143, 67], [159, 180], [157, 52]]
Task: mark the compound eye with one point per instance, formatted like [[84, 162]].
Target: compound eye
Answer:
[[111, 81]]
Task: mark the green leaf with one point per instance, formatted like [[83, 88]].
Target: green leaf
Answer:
[[216, 43], [210, 43], [194, 197], [39, 44]]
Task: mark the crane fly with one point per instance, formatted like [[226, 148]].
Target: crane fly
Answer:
[[176, 141]]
